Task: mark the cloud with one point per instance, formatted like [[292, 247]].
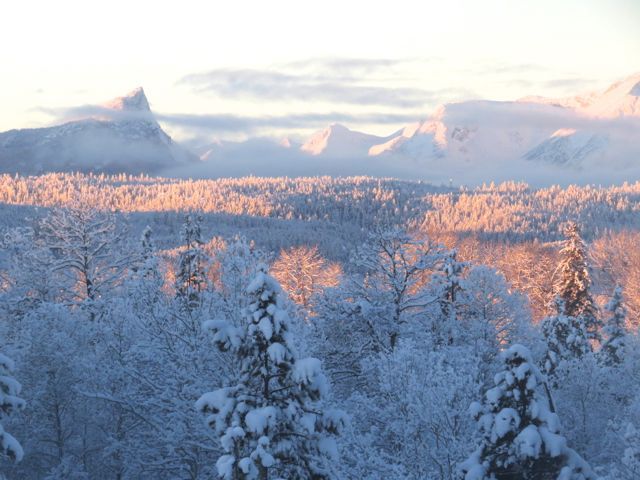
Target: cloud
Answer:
[[97, 112], [349, 65], [222, 123], [570, 83], [338, 80], [227, 122]]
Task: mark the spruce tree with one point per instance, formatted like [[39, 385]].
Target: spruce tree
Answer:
[[520, 434], [270, 420], [612, 351], [9, 402], [566, 339], [146, 245], [447, 285], [573, 284], [190, 277], [146, 280]]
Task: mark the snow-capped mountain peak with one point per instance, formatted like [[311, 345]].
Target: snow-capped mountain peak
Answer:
[[134, 101], [338, 140], [121, 135], [622, 99]]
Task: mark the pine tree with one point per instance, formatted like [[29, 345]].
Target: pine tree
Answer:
[[520, 433], [146, 245], [270, 420], [566, 339], [190, 277], [574, 282], [612, 351], [9, 401]]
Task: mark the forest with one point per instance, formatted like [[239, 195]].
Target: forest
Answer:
[[317, 328]]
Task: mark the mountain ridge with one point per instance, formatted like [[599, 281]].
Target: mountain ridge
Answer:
[[122, 136], [591, 136]]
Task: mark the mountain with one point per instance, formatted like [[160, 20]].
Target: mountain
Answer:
[[587, 138], [568, 147], [339, 142], [474, 132], [120, 136], [591, 137], [622, 99], [225, 150]]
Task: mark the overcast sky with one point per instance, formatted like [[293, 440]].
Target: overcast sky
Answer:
[[215, 69]]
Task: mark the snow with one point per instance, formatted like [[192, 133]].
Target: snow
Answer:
[[506, 421], [554, 444], [266, 327], [224, 333], [261, 454], [563, 132], [6, 363], [335, 420], [475, 409], [231, 435], [338, 140], [280, 318], [277, 353], [517, 351], [473, 467], [216, 401], [517, 426], [528, 442], [258, 420], [245, 465], [122, 135], [329, 447], [11, 446], [135, 100], [494, 394], [306, 370], [257, 283], [480, 141], [224, 465]]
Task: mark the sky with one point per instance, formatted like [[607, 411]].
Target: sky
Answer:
[[218, 70]]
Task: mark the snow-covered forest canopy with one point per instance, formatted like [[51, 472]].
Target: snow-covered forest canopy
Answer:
[[317, 328]]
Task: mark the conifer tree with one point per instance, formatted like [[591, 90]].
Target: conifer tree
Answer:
[[146, 280], [270, 420], [146, 244], [520, 434], [9, 402], [447, 285], [566, 339], [612, 351], [573, 284], [190, 278]]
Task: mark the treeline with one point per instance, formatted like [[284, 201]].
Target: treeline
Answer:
[[511, 211]]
